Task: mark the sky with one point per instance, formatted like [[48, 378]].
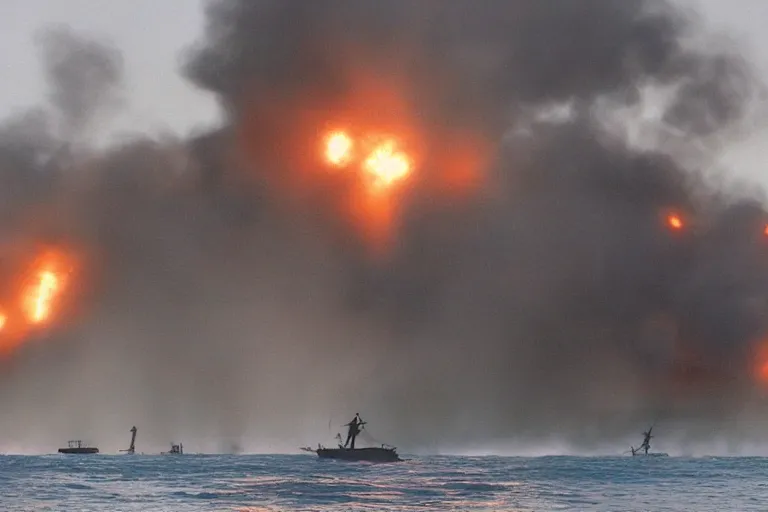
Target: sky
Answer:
[[153, 36], [742, 21]]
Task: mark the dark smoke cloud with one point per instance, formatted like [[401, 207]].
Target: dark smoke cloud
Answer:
[[553, 307], [84, 74]]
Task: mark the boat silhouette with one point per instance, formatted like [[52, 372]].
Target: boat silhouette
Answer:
[[348, 451], [176, 449], [645, 446], [77, 448]]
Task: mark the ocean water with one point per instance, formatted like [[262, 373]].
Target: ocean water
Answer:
[[261, 483]]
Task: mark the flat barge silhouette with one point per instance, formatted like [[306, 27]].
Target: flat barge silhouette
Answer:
[[77, 448]]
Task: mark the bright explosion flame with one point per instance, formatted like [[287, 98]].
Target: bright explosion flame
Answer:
[[377, 166], [387, 165], [339, 148], [384, 164], [40, 296], [37, 298]]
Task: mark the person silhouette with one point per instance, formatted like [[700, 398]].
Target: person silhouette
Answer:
[[353, 431]]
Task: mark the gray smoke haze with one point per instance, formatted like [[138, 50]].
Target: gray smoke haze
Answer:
[[84, 74], [551, 306]]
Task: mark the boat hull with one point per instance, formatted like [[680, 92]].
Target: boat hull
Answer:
[[78, 451], [359, 454]]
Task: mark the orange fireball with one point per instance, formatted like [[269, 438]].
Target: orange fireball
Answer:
[[338, 149], [675, 222], [362, 154], [376, 167], [386, 165], [383, 163]]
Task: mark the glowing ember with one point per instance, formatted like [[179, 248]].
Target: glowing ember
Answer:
[[3, 320], [338, 148], [387, 165], [675, 222], [765, 230], [39, 298], [761, 363]]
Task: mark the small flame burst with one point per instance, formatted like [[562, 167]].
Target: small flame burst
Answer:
[[41, 295], [3, 320], [387, 165], [338, 149], [675, 222], [765, 230], [761, 363]]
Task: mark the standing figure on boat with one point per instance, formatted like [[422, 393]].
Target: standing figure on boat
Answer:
[[354, 430]]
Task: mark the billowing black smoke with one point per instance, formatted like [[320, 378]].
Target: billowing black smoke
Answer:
[[552, 305]]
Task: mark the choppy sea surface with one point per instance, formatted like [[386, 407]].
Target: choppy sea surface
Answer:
[[262, 483]]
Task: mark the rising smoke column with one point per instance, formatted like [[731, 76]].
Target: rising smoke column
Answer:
[[528, 290], [556, 299]]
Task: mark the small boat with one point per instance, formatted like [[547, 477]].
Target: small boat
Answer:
[[642, 450], [176, 449], [77, 448], [383, 453]]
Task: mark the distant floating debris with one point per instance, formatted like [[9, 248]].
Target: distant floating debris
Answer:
[[132, 448], [176, 449], [77, 448], [348, 452]]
